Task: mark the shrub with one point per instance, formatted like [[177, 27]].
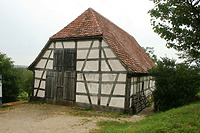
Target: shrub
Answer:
[[10, 80], [176, 84]]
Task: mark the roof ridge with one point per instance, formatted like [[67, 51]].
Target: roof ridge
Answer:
[[94, 16]]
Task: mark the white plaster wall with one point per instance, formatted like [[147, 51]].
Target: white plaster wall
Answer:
[[42, 85], [93, 88], [104, 66], [94, 99], [108, 77], [69, 44], [117, 102], [81, 54], [94, 53], [119, 89], [36, 83], [80, 87], [79, 65], [47, 53], [51, 45], [38, 73], [116, 65], [82, 99], [109, 53], [104, 44], [50, 64], [91, 66], [41, 93], [86, 44], [92, 77], [106, 88], [59, 45], [44, 75], [104, 101], [41, 63], [111, 77]]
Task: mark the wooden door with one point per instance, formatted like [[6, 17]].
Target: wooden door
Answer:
[[60, 83]]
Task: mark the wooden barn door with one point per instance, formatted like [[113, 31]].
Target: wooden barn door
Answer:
[[60, 83]]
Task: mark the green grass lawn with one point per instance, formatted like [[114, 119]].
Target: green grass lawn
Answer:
[[180, 120]]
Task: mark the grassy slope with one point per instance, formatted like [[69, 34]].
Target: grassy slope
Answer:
[[183, 119]]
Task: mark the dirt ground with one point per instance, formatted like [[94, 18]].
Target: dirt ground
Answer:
[[45, 118]]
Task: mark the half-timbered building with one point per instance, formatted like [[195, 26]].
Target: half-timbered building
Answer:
[[93, 63]]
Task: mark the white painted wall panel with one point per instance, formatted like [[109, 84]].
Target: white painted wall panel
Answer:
[[96, 43], [79, 65], [83, 44], [94, 99], [81, 54], [111, 77], [104, 44], [42, 85], [70, 44], [80, 87], [41, 63], [36, 83], [122, 77], [109, 53], [50, 64], [44, 75], [117, 102], [116, 65], [41, 93], [119, 89], [51, 45], [38, 73], [94, 54], [82, 99], [91, 66], [104, 66], [59, 45], [93, 88], [106, 88], [47, 53], [92, 77], [108, 77], [104, 101], [79, 76]]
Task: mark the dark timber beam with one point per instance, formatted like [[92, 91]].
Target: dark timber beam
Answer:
[[100, 74]]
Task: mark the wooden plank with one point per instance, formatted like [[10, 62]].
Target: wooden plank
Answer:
[[87, 90], [94, 59], [127, 93], [100, 75], [103, 72], [102, 95], [62, 45], [103, 82], [87, 55], [112, 90]]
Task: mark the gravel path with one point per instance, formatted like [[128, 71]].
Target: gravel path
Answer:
[[45, 118]]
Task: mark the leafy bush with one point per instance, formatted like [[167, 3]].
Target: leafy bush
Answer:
[[10, 80], [176, 84], [26, 81]]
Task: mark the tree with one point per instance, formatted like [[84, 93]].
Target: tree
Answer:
[[178, 22], [176, 84], [25, 84], [150, 52], [10, 80]]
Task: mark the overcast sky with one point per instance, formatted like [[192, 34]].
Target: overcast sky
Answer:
[[26, 25]]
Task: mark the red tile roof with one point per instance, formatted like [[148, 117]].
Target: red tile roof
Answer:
[[125, 47]]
